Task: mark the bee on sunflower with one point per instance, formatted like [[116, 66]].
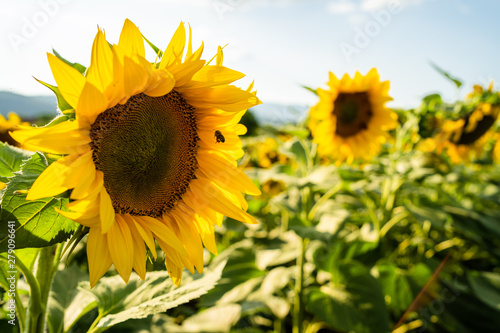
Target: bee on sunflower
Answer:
[[139, 158]]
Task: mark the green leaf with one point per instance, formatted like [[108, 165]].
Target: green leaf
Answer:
[[37, 223], [61, 102], [457, 82], [240, 268], [314, 91], [395, 287], [26, 256], [119, 302], [67, 303], [219, 318], [433, 98], [355, 303], [299, 151], [155, 49], [486, 286], [10, 160], [75, 65]]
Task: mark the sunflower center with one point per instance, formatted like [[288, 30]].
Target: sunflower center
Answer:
[[353, 113], [146, 150], [482, 127]]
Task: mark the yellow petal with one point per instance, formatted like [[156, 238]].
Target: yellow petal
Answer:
[[206, 230], [210, 76], [163, 232], [163, 86], [69, 81], [51, 181], [184, 72], [189, 51], [175, 49], [90, 184], [174, 270], [146, 235], [189, 237], [139, 247], [100, 71], [82, 165], [107, 211], [63, 138], [220, 57], [205, 194], [92, 102], [226, 98], [98, 255], [121, 247], [131, 40], [226, 174], [135, 77]]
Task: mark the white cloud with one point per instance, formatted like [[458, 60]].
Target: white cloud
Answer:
[[342, 7]]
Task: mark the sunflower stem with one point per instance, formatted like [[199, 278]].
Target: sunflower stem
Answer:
[[298, 306], [20, 310], [45, 268]]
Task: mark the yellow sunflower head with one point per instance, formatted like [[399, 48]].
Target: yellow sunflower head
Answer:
[[350, 120], [143, 159], [268, 154], [465, 138], [12, 123]]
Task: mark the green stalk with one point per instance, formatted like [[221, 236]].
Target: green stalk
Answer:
[[323, 199], [34, 289], [298, 304], [45, 268]]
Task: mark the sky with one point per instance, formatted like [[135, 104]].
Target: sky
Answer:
[[282, 44]]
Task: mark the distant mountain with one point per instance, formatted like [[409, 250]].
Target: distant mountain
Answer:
[[31, 107], [27, 107], [279, 114]]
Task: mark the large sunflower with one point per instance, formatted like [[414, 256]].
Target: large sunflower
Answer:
[[350, 120], [465, 138], [142, 160]]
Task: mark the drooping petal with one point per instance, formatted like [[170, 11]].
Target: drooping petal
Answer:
[[121, 247], [98, 255], [106, 210], [139, 247]]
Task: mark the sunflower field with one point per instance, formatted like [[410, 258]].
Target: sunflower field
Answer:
[[155, 202]]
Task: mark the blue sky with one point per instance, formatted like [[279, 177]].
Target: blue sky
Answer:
[[281, 44]]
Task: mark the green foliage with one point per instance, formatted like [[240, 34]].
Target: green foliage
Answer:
[[10, 160], [37, 224], [61, 102], [447, 75]]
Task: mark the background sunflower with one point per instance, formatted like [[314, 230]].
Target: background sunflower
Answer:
[[350, 120]]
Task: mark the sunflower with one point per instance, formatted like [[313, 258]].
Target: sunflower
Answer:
[[140, 159], [12, 123], [350, 120], [268, 154], [465, 138]]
